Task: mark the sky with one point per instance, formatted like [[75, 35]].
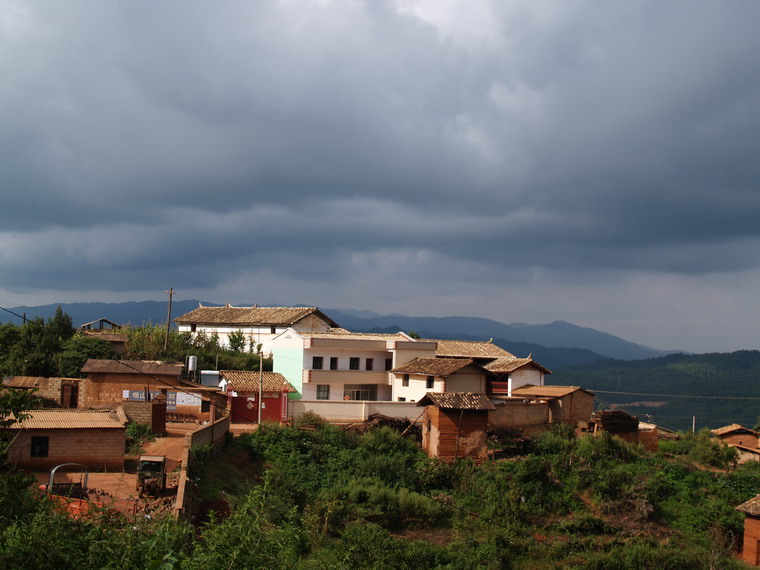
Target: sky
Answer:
[[590, 161]]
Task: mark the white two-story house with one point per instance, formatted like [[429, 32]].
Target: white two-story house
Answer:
[[259, 325], [341, 365]]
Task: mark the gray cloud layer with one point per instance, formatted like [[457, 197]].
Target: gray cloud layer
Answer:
[[470, 149]]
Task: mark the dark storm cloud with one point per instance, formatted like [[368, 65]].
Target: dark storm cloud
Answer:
[[147, 142]]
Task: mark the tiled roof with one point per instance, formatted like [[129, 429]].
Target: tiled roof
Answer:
[[457, 401], [433, 366], [248, 381], [70, 419], [751, 507], [546, 391], [348, 335], [252, 316], [469, 349], [510, 364], [731, 428], [150, 367]]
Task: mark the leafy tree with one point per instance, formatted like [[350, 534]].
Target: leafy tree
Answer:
[[78, 349], [237, 340]]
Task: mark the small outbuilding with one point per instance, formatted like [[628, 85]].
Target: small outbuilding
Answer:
[[737, 435], [242, 389], [45, 438], [454, 424], [751, 549]]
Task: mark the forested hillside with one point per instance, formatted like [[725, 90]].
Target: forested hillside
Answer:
[[693, 378]]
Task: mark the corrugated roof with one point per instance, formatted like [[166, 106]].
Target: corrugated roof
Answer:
[[248, 381], [24, 382], [70, 419], [252, 316], [732, 428], [469, 349], [508, 364], [546, 391], [457, 401], [751, 507], [433, 366], [150, 367]]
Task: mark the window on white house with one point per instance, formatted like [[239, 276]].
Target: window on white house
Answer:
[[273, 330], [316, 362], [360, 392], [369, 363], [193, 327], [388, 363], [353, 363], [402, 399], [333, 363], [323, 391], [405, 380], [40, 445], [430, 382]]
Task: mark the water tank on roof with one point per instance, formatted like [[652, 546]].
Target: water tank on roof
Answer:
[[192, 363]]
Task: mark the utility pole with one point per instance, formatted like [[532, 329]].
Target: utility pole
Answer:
[[694, 424], [170, 292], [261, 384]]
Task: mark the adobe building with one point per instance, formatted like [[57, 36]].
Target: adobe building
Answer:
[[111, 382], [242, 389], [57, 392], [567, 404], [46, 438], [751, 549], [737, 435], [454, 424]]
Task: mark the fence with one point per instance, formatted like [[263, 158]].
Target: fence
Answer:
[[347, 411]]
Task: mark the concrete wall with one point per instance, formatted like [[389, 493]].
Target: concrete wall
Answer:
[[526, 375], [98, 449], [346, 411]]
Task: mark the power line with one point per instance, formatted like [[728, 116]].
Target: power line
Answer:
[[678, 395]]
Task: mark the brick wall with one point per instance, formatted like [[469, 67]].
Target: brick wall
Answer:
[[650, 440], [745, 439], [97, 449], [751, 538], [107, 391], [516, 413]]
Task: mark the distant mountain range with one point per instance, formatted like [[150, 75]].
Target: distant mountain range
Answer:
[[555, 344]]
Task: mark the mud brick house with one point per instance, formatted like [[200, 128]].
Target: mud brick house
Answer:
[[454, 424], [412, 380], [242, 389], [751, 549], [737, 436], [567, 404], [110, 382], [57, 392], [47, 438]]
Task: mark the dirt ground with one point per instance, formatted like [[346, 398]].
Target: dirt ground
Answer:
[[122, 485]]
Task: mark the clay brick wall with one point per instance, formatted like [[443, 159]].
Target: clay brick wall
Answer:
[[751, 552], [140, 412], [650, 440], [98, 449], [445, 428], [745, 439], [107, 391], [516, 413]]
